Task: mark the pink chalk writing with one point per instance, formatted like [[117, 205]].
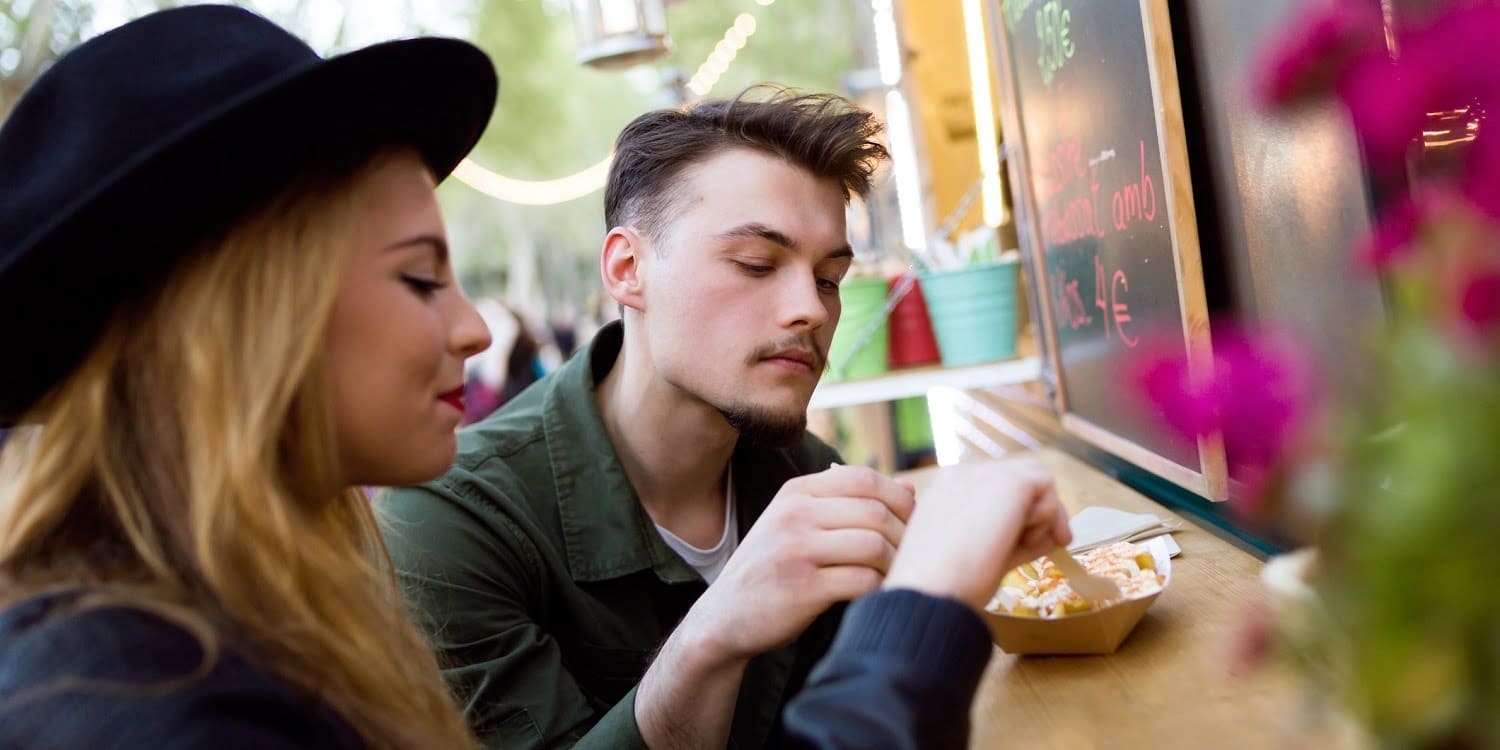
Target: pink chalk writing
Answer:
[[1073, 200], [1110, 291], [1135, 201]]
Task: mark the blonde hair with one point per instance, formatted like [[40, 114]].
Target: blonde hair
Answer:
[[188, 467]]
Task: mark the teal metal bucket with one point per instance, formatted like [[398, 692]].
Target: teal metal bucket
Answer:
[[973, 311]]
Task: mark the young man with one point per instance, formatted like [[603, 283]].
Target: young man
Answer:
[[574, 567]]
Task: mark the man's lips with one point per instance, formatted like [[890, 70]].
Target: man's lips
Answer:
[[454, 398], [797, 361]]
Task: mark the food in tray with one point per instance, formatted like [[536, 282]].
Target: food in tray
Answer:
[[1039, 589]]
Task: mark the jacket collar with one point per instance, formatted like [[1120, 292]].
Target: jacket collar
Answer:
[[606, 531]]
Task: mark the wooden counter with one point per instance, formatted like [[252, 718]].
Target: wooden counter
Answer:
[[1170, 685]]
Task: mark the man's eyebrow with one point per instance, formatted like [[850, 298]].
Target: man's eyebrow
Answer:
[[756, 230], [838, 253], [437, 243]]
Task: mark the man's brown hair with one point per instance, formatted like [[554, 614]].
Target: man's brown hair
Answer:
[[826, 135]]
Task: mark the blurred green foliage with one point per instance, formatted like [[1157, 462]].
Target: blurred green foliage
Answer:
[[1411, 552]]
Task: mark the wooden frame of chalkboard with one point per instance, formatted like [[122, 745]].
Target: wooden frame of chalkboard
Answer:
[[1047, 113], [1021, 213]]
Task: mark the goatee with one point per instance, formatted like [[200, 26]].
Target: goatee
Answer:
[[765, 428]]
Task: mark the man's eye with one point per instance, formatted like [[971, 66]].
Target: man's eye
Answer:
[[830, 285], [754, 270]]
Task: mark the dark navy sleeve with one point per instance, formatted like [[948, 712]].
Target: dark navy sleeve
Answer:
[[123, 678], [901, 674]]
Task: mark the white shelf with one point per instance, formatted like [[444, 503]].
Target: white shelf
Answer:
[[905, 383]]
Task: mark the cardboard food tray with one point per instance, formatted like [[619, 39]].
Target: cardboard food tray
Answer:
[[1098, 632]]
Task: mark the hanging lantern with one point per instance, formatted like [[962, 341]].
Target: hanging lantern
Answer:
[[620, 33]]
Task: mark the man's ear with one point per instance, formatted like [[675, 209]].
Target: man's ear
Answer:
[[620, 265]]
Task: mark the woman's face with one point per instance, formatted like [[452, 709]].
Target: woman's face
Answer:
[[400, 332]]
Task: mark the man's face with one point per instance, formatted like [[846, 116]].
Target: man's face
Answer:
[[741, 290]]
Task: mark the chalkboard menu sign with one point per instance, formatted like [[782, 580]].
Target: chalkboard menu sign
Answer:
[[1105, 176]]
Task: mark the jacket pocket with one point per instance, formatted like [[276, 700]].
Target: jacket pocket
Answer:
[[516, 730]]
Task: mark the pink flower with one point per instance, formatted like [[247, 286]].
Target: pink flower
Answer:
[[1342, 50], [1391, 238], [1187, 409], [1481, 180], [1387, 104], [1445, 63], [1397, 230], [1310, 62], [1458, 49], [1479, 305], [1257, 399]]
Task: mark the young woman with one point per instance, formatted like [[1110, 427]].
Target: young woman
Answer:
[[228, 305]]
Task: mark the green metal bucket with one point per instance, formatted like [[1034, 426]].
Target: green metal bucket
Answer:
[[863, 300], [973, 311]]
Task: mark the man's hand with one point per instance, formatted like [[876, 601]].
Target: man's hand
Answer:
[[974, 523], [825, 538]]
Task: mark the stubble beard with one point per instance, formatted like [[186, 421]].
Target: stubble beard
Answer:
[[767, 427]]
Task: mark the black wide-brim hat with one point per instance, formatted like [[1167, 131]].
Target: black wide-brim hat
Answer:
[[142, 143]]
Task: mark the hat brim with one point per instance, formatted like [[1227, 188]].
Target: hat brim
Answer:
[[117, 241]]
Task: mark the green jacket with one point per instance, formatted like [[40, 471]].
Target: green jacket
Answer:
[[546, 588]]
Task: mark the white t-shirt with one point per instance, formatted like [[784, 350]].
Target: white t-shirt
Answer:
[[709, 562]]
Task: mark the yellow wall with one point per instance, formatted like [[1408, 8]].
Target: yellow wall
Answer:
[[937, 66]]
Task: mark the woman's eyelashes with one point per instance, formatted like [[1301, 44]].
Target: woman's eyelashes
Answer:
[[424, 286]]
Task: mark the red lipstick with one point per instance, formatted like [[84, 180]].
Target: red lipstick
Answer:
[[454, 398]]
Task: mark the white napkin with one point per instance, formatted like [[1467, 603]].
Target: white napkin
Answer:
[[1096, 526]]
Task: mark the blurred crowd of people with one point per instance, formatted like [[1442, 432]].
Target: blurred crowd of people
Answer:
[[526, 347]]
